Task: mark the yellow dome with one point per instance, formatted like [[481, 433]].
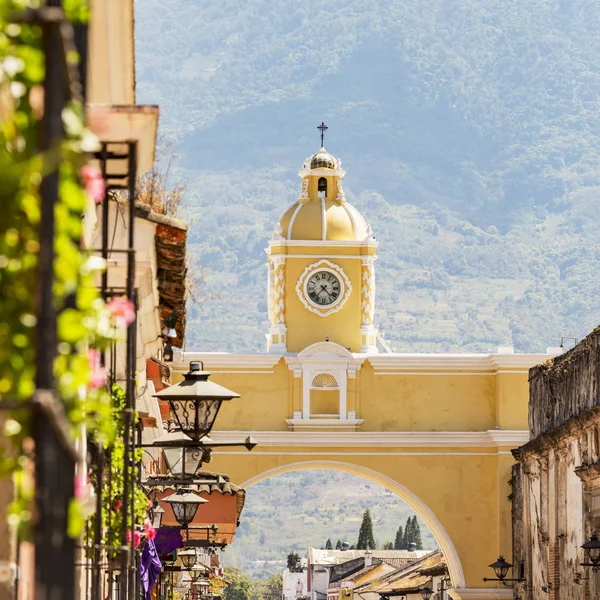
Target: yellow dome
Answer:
[[323, 220]]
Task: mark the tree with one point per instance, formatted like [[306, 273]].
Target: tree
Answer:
[[365, 534], [388, 546], [417, 534], [408, 532], [412, 533], [156, 189], [338, 545], [399, 541], [240, 587], [294, 563], [269, 589], [328, 544]]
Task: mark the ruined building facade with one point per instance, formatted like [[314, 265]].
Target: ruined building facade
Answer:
[[556, 483]]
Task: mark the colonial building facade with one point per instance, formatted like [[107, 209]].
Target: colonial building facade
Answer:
[[556, 484]]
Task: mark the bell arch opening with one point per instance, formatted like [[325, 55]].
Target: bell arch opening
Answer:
[[322, 187], [441, 536]]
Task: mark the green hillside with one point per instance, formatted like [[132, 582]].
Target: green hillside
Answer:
[[469, 130], [301, 509]]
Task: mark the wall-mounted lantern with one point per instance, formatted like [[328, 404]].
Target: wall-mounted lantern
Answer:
[[592, 553], [501, 568], [195, 401]]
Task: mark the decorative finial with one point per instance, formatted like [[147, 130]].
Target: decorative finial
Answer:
[[277, 232], [323, 128]]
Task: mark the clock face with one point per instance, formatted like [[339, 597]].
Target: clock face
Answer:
[[323, 288]]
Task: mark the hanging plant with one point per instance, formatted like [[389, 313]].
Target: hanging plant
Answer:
[[83, 319]]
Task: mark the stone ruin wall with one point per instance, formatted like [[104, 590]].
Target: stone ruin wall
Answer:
[[556, 483]]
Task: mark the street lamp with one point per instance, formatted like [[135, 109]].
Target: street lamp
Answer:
[[202, 586], [426, 593], [185, 505], [157, 516], [195, 401], [501, 568], [181, 461], [196, 570], [592, 552], [188, 557]]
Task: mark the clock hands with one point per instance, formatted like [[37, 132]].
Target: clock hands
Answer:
[[324, 289]]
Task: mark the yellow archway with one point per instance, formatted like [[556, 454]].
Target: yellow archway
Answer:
[[437, 430], [440, 534]]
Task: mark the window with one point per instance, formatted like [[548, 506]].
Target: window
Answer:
[[322, 187]]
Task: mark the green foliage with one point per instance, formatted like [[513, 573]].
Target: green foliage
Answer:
[[338, 545], [82, 319], [412, 534], [365, 534], [328, 544], [269, 589], [112, 497], [388, 546], [240, 587], [399, 540], [294, 562]]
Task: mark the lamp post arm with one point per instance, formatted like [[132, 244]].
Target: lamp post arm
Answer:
[[248, 443]]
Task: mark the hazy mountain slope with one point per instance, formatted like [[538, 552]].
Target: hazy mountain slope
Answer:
[[469, 131], [301, 509]]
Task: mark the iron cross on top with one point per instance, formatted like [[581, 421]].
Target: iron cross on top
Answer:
[[323, 128]]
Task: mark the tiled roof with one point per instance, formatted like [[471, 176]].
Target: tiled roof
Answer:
[[411, 577], [332, 557], [361, 572], [221, 484]]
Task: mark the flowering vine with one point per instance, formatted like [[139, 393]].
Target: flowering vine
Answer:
[[84, 321]]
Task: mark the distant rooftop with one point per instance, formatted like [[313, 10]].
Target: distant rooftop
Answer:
[[397, 558]]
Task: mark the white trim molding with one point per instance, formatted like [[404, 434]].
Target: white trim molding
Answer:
[[462, 593], [472, 363], [225, 361], [312, 424], [383, 364], [495, 438]]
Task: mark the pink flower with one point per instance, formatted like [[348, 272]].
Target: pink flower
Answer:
[[94, 184], [149, 530], [98, 375], [122, 310], [117, 506], [80, 486], [137, 537]]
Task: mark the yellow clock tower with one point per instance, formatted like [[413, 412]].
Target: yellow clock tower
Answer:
[[321, 267]]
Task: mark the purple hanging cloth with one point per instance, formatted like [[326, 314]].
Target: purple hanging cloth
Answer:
[[150, 568], [167, 540]]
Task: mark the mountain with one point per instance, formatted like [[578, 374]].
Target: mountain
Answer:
[[469, 131], [304, 508]]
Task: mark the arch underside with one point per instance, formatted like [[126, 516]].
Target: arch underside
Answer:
[[443, 539]]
